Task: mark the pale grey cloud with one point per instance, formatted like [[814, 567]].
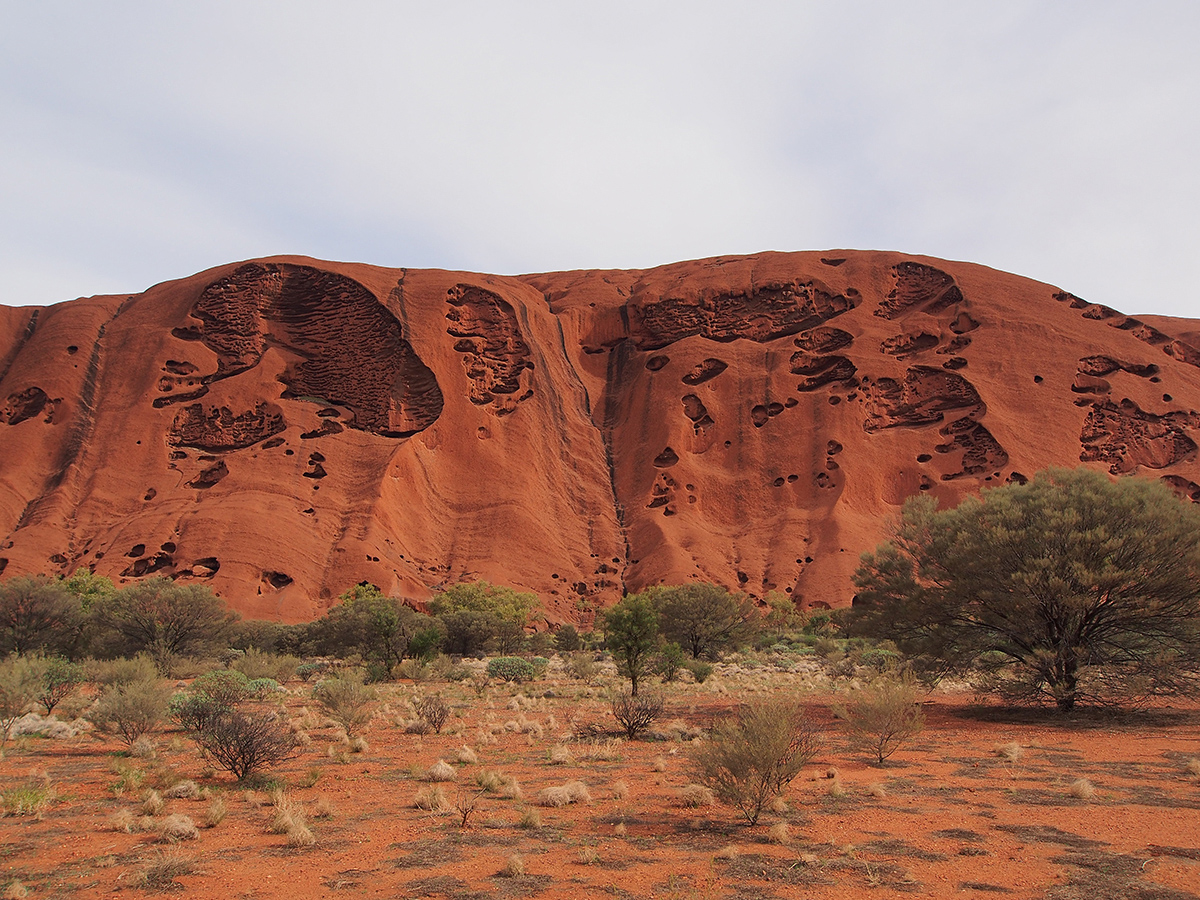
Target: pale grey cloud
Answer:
[[147, 141]]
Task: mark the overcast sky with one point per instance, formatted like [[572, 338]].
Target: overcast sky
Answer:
[[141, 142]]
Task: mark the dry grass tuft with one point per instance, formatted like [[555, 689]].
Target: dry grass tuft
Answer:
[[659, 764], [696, 795], [123, 821], [466, 756], [215, 813], [322, 808], [620, 790], [1081, 789], [620, 830], [780, 833], [560, 756], [1012, 751], [153, 803], [588, 856], [441, 771], [143, 748], [183, 790], [176, 828], [728, 852], [161, 872], [530, 819], [15, 890], [514, 866], [1193, 766], [432, 799], [877, 790]]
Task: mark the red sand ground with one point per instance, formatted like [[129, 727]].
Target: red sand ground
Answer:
[[284, 429], [947, 816]]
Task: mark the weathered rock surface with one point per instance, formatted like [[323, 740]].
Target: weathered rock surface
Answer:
[[284, 428]]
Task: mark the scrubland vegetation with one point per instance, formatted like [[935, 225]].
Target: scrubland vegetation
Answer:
[[682, 704]]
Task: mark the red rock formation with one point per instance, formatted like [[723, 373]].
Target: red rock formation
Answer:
[[284, 428]]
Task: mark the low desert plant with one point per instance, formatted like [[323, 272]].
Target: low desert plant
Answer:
[[433, 711], [160, 873], [1081, 789], [255, 664], [215, 814], [780, 833], [636, 713], [441, 771], [346, 700], [175, 828], [58, 678], [530, 819], [560, 755], [588, 856], [749, 760], [1011, 751], [1192, 766], [696, 795], [514, 866], [511, 668], [620, 790], [431, 798], [153, 803], [884, 715], [183, 790], [19, 687], [245, 743], [131, 709], [29, 799]]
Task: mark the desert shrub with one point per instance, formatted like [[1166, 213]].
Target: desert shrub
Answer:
[[346, 700], [176, 828], [57, 679], [121, 670], [161, 872], [884, 715], [582, 665], [631, 633], [183, 790], [1081, 789], [255, 663], [700, 670], [441, 771], [262, 687], [749, 760], [695, 795], [566, 639], [510, 668], [30, 798], [245, 742], [132, 709], [514, 866], [636, 713], [19, 685], [670, 660], [225, 687], [432, 711], [307, 671]]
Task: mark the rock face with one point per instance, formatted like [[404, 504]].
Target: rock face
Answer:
[[284, 428]]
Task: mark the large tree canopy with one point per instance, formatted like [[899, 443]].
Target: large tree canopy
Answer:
[[1082, 588]]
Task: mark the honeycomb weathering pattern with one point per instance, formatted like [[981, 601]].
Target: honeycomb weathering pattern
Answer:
[[761, 314], [345, 346], [494, 351], [285, 428]]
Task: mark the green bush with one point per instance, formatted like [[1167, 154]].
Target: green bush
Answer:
[[510, 668], [670, 660], [884, 715], [132, 709], [700, 670], [346, 700], [261, 687], [256, 664], [310, 670]]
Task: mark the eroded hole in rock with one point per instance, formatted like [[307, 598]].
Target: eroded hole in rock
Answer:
[[655, 363], [818, 371], [1183, 488], [136, 550], [328, 412], [704, 371], [763, 313], [1125, 437], [833, 261], [210, 476], [779, 482], [666, 459], [923, 457], [220, 429], [72, 350], [955, 362], [924, 397], [341, 342], [328, 426], [825, 339], [758, 415], [833, 448], [919, 287], [902, 345], [148, 565], [981, 451], [963, 323], [167, 547], [151, 493], [1016, 477], [277, 580], [1037, 379], [316, 471], [496, 356], [179, 367], [316, 457], [695, 410], [206, 567], [272, 443], [23, 405]]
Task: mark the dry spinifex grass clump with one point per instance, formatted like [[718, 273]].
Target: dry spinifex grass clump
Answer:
[[571, 792]]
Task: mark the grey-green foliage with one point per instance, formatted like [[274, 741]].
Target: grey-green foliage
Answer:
[[346, 700], [748, 760], [1071, 587], [19, 687], [131, 709], [884, 715]]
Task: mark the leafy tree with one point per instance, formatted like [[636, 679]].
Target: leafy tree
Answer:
[[631, 635], [164, 619], [1072, 586], [57, 679], [481, 614], [705, 618], [380, 628], [37, 614]]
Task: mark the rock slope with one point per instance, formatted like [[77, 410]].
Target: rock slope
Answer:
[[283, 428]]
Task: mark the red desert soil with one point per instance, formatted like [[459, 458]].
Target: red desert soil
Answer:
[[950, 815], [285, 428]]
